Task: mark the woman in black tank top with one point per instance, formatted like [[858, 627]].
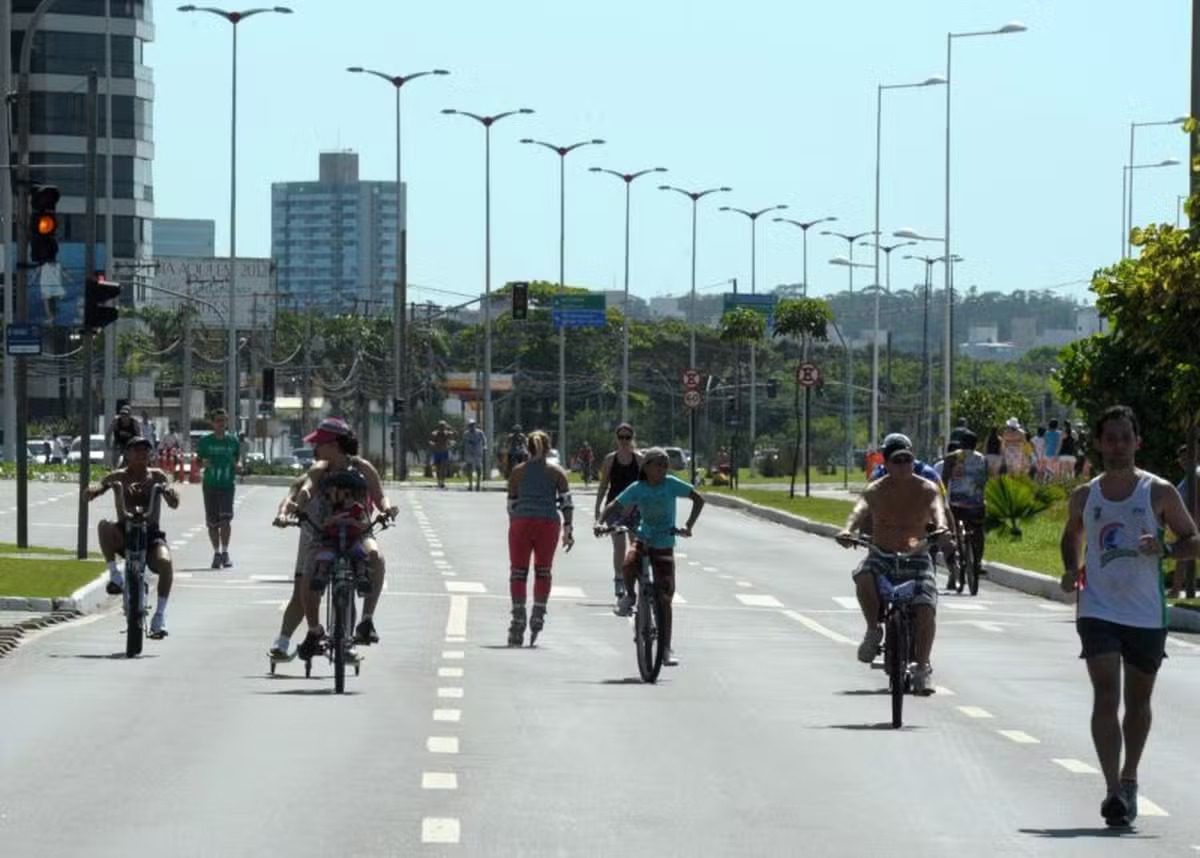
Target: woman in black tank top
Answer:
[[619, 470]]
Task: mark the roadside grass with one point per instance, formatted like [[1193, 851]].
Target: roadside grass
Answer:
[[13, 548], [827, 510], [749, 477], [45, 578]]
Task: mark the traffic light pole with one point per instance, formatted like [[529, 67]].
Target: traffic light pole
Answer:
[[89, 267]]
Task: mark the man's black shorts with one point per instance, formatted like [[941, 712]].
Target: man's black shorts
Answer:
[[218, 505], [1140, 647]]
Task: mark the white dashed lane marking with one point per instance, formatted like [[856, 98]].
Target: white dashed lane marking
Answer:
[[439, 780], [758, 601], [450, 672], [1078, 767], [813, 625], [465, 587], [974, 712], [439, 830], [448, 715], [442, 744], [453, 654], [450, 693], [848, 602], [569, 592], [1019, 736]]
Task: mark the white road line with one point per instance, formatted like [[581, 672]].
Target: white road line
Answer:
[[437, 553], [744, 584], [1182, 643], [1057, 607], [450, 693], [456, 622], [944, 691], [440, 830], [450, 673], [465, 587], [569, 592], [1148, 808], [1078, 767], [678, 600], [678, 554], [450, 715], [725, 577], [758, 601], [1019, 736], [446, 573], [439, 780], [453, 654], [455, 639], [710, 568], [693, 563], [813, 625], [848, 602], [442, 744], [974, 712], [954, 605]]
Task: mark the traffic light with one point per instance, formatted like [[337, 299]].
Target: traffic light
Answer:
[[520, 300], [43, 224], [772, 388], [98, 292], [268, 384]]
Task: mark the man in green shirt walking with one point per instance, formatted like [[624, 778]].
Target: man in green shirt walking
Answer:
[[219, 452]]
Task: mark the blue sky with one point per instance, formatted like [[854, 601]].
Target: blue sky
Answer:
[[775, 99]]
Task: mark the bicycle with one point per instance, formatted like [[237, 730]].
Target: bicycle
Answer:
[[897, 591], [136, 596], [648, 613], [346, 579]]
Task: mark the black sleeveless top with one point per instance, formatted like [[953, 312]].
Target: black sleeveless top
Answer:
[[621, 476]]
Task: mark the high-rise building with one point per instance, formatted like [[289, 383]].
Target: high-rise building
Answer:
[[71, 41], [175, 236], [334, 240]]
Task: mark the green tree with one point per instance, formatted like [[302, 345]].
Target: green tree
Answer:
[[807, 319], [987, 408], [739, 327]]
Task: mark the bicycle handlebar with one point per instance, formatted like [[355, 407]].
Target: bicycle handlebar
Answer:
[[924, 545], [605, 529]]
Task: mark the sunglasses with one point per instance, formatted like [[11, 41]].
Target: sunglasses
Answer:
[[624, 437]]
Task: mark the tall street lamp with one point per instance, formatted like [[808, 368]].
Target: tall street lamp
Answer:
[[948, 369], [753, 216], [695, 197], [400, 294], [487, 122], [231, 376], [628, 179], [887, 251], [1127, 199], [1133, 126], [850, 265], [804, 226], [929, 81], [851, 239], [562, 152]]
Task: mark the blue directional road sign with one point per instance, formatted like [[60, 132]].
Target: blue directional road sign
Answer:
[[579, 310], [23, 339], [762, 304]]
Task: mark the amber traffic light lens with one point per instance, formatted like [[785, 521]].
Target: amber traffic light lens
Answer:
[[45, 224]]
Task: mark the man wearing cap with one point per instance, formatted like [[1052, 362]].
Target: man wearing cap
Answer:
[[439, 442], [121, 431], [474, 449], [135, 482], [898, 508], [1012, 442], [219, 451]]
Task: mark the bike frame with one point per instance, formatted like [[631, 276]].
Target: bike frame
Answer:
[[136, 538]]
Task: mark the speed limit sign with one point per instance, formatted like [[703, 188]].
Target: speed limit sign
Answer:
[[692, 399], [808, 375]]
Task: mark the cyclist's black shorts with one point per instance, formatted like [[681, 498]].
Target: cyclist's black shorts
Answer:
[[154, 537], [972, 514], [1140, 647]]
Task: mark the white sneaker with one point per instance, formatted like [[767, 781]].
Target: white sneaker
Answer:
[[671, 660], [869, 648]]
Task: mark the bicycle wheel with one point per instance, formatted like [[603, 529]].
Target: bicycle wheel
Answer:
[[339, 639], [647, 622], [134, 608], [895, 653]]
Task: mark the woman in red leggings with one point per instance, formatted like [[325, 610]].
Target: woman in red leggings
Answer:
[[537, 491]]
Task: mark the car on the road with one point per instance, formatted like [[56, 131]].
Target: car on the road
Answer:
[[290, 462], [95, 450], [304, 455], [41, 452], [677, 458]]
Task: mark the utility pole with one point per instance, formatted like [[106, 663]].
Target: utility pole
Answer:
[[89, 268]]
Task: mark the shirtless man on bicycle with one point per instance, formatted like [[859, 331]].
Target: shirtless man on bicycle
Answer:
[[897, 510], [135, 482]]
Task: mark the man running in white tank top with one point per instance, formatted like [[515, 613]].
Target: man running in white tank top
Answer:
[[1121, 612]]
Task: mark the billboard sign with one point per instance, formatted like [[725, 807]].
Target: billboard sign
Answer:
[[56, 288], [206, 279]]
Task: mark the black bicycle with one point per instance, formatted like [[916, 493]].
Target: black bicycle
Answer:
[[897, 590], [968, 560], [648, 613], [138, 524], [346, 577]]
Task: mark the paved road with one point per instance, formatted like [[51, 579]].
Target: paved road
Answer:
[[767, 740]]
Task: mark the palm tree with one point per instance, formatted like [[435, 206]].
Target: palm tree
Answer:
[[806, 318]]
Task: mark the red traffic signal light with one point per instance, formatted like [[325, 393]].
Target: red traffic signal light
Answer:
[[96, 312], [43, 225]]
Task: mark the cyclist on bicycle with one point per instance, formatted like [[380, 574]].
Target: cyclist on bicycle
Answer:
[[619, 470], [965, 475], [135, 482], [899, 508], [654, 496]]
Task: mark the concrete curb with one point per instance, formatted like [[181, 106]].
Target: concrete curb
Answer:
[[1012, 577], [85, 600]]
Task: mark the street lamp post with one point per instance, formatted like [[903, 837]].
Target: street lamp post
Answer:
[[562, 152], [400, 294], [850, 265], [887, 251], [804, 226], [851, 239], [1127, 199], [231, 378], [929, 81], [487, 122], [753, 216], [948, 369], [695, 197], [628, 179], [1128, 178]]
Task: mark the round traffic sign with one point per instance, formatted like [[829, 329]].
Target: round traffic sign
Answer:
[[808, 375], [691, 379], [692, 399]]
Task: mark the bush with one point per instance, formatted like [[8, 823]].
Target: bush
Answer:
[[1012, 500]]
